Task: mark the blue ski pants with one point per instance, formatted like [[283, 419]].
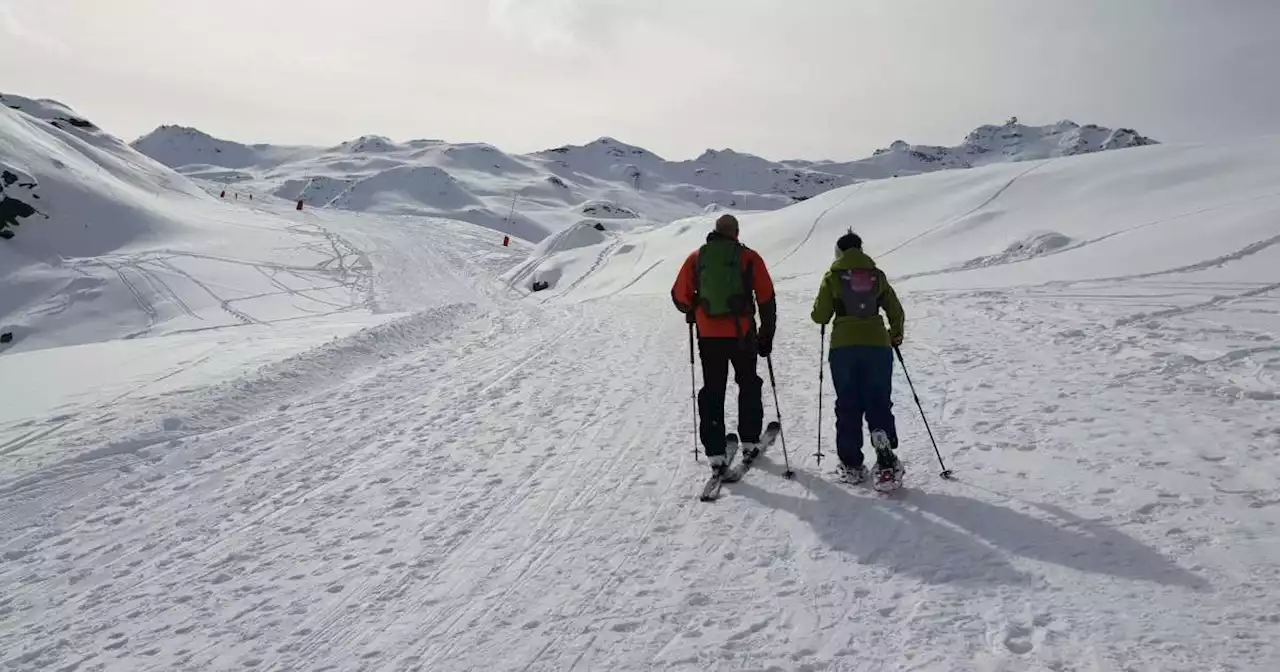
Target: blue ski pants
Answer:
[[863, 378]]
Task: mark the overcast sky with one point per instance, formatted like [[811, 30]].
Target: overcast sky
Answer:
[[795, 79]]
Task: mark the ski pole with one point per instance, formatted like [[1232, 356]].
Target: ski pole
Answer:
[[946, 473], [781, 432], [693, 395], [822, 377]]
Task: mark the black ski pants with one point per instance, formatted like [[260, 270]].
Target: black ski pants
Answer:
[[716, 355]]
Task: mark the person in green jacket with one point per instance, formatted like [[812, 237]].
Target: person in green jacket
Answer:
[[854, 292]]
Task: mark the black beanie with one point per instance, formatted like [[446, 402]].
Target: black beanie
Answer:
[[849, 241]]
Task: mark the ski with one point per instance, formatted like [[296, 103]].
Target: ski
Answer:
[[711, 490], [737, 471]]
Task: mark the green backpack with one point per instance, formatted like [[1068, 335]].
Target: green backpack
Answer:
[[722, 283]]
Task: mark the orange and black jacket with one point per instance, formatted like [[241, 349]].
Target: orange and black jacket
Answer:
[[755, 276]]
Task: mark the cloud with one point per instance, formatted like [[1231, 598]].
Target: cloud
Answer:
[[568, 25], [11, 24]]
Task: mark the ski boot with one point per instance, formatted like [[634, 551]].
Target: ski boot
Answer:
[[889, 469], [719, 464]]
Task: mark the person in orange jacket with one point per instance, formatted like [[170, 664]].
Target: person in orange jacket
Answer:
[[714, 290]]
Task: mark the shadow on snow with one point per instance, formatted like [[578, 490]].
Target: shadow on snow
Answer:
[[946, 538]]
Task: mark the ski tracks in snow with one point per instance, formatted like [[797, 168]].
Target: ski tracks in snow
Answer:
[[961, 217], [457, 505], [514, 491], [816, 221], [376, 523]]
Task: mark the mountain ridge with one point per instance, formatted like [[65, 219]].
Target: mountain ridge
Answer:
[[532, 196], [546, 186]]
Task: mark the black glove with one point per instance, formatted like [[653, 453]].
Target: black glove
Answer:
[[764, 345], [768, 323]]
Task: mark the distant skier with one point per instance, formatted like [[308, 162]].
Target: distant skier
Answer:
[[714, 290], [854, 292]]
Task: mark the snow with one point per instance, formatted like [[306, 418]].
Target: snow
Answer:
[[401, 458], [984, 146], [395, 189], [552, 189]]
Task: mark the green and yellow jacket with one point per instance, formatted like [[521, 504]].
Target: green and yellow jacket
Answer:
[[850, 330]]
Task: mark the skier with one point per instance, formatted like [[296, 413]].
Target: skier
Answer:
[[714, 290], [854, 292]]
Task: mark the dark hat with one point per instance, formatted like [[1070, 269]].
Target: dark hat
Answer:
[[848, 241]]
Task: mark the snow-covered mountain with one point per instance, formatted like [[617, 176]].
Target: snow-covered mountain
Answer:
[[528, 196], [985, 146], [99, 242], [63, 178], [534, 195]]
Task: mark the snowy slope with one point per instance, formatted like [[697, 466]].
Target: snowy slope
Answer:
[[95, 204], [1030, 222], [123, 283], [493, 479], [481, 184], [71, 171], [116, 245]]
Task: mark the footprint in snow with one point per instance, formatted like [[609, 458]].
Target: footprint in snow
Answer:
[[1017, 639]]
